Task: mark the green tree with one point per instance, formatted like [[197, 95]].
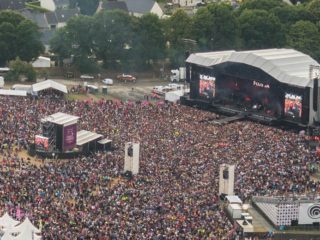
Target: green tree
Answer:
[[177, 30], [87, 7], [149, 44], [19, 37], [290, 14], [259, 29], [266, 5], [305, 37], [314, 8], [20, 70], [61, 44], [215, 27], [112, 36], [75, 40]]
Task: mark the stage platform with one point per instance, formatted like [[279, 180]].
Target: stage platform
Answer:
[[227, 120], [235, 113]]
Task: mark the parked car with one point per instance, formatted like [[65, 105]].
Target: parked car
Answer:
[[108, 81], [126, 78], [86, 76]]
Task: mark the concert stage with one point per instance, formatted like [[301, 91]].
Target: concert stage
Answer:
[[271, 86], [60, 138]]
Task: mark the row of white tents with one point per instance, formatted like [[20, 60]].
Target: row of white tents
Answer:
[[14, 230], [23, 90]]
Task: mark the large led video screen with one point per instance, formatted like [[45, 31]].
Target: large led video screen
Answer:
[[293, 106], [207, 86], [42, 143], [69, 137]]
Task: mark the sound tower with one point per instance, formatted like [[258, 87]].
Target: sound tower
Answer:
[[315, 94], [131, 157], [226, 179]]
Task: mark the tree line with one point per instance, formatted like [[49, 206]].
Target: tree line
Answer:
[[117, 40]]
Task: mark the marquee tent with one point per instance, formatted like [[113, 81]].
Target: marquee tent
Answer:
[[26, 225], [27, 234], [8, 92], [49, 84], [7, 236], [7, 222]]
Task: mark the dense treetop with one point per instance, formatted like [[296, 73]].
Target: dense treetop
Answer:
[[122, 41]]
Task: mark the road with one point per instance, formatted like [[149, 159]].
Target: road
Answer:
[[124, 91]]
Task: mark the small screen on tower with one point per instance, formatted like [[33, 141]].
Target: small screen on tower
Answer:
[[42, 143]]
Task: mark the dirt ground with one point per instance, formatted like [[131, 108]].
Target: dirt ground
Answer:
[[124, 91]]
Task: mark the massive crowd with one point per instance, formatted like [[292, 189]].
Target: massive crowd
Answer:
[[175, 196]]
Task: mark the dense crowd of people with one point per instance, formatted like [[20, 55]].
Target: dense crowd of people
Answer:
[[175, 195]]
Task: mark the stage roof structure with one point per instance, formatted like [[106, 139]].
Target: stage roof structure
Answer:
[[105, 141], [233, 199], [60, 118], [84, 137], [48, 84], [288, 66], [8, 92]]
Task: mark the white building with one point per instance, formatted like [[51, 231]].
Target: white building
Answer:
[[140, 7], [42, 62]]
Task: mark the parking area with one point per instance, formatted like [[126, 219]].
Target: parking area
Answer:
[[119, 90]]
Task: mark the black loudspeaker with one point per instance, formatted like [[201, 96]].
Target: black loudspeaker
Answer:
[[294, 222], [128, 175], [225, 174], [316, 224], [315, 94], [223, 196], [130, 151]]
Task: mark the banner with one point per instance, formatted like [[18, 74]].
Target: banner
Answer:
[[309, 213], [69, 137]]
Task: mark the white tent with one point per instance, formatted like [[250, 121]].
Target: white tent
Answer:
[[27, 234], [8, 92], [7, 222], [42, 62], [7, 236], [26, 225], [47, 84]]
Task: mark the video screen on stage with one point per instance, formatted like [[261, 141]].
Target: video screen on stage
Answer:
[[69, 137], [207, 86], [293, 106], [42, 143]]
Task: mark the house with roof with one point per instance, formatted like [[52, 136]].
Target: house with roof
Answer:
[[36, 17], [113, 5], [63, 15], [12, 4], [50, 21], [140, 7], [52, 5], [134, 7]]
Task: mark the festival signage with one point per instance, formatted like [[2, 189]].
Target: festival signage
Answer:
[[309, 213], [69, 137]]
